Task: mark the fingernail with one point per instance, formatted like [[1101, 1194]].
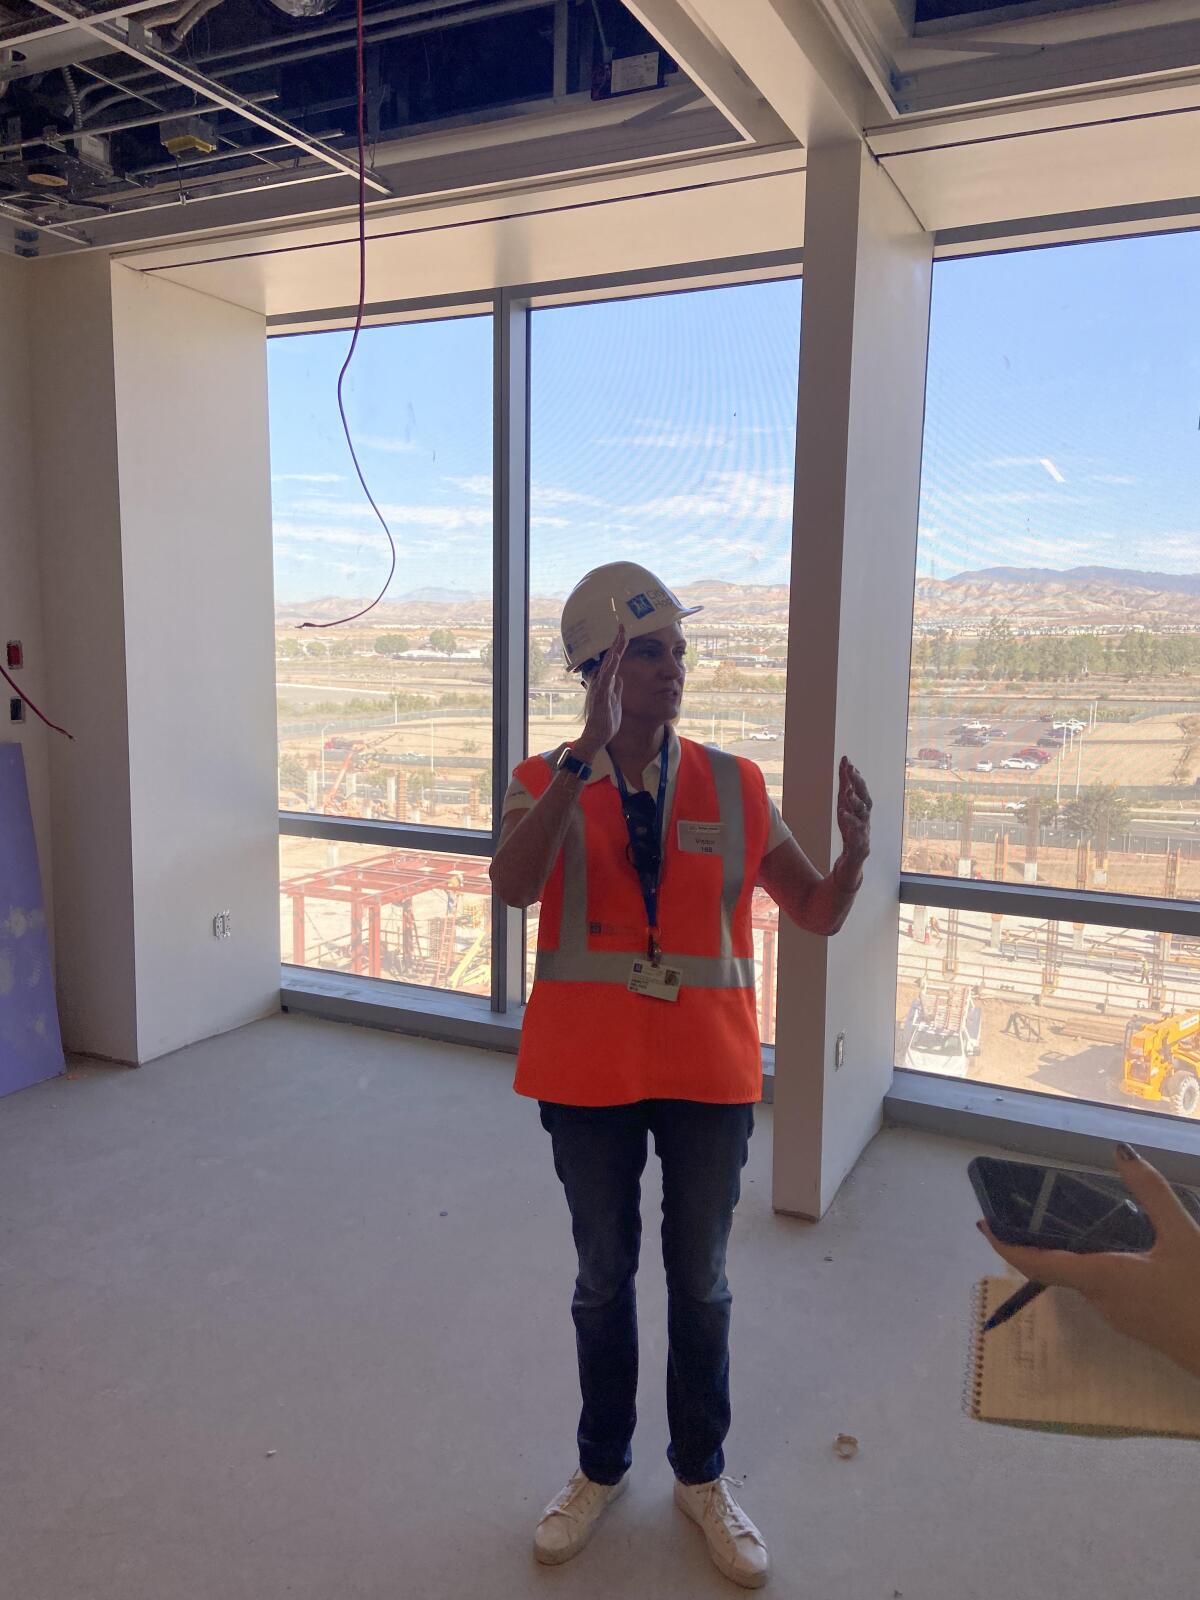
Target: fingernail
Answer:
[[1127, 1152]]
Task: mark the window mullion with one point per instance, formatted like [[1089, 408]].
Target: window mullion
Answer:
[[510, 428]]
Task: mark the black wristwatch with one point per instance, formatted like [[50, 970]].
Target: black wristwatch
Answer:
[[570, 762]]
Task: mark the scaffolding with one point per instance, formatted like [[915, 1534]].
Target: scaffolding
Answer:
[[451, 951]]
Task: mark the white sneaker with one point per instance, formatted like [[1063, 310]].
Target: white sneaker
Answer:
[[735, 1544], [570, 1519]]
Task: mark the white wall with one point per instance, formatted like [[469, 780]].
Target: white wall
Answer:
[[75, 458], [152, 475], [20, 585], [191, 402], [867, 274]]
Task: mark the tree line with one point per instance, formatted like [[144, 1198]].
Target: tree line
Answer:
[[1000, 653]]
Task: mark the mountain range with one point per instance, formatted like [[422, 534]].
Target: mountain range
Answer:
[[1027, 596], [1076, 597]]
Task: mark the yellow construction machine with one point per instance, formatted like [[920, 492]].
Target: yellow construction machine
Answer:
[[1162, 1062]]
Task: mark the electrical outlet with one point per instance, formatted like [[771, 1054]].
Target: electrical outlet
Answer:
[[15, 651], [16, 709], [839, 1053], [222, 925]]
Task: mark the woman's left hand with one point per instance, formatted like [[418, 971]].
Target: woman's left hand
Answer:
[[854, 813]]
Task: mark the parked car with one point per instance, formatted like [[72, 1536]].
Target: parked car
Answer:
[[764, 736], [1019, 764], [996, 733], [1053, 740], [985, 766], [1032, 753], [971, 738], [974, 726], [1015, 806], [939, 758], [1070, 724]]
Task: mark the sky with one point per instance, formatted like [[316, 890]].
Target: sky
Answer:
[[1061, 429]]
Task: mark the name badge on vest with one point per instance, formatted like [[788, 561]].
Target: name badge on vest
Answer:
[[701, 838], [659, 983]]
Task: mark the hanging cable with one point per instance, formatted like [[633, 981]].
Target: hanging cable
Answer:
[[68, 78], [361, 84], [16, 687]]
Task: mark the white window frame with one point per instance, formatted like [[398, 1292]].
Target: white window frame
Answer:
[[493, 1022]]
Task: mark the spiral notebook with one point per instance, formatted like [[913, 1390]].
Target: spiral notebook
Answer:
[[1058, 1365]]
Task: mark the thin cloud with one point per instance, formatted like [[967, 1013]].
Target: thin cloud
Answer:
[[710, 438], [725, 496], [545, 498], [307, 477], [391, 446], [447, 517], [542, 496], [1044, 461]]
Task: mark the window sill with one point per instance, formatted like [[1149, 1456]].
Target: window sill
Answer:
[[466, 1019], [1042, 1125]]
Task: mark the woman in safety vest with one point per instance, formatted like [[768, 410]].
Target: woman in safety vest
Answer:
[[644, 849]]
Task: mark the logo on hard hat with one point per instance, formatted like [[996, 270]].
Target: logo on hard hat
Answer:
[[640, 605]]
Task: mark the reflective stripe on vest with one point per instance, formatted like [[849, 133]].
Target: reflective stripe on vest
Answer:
[[573, 962]]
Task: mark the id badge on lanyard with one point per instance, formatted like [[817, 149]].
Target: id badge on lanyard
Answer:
[[648, 975]]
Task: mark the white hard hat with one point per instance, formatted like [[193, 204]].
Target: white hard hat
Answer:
[[621, 592]]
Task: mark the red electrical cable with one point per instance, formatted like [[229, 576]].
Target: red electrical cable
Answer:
[[33, 708], [361, 86]]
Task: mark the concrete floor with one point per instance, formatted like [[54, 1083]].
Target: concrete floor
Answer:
[[287, 1315]]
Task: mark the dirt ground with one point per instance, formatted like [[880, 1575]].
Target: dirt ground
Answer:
[[1078, 1056]]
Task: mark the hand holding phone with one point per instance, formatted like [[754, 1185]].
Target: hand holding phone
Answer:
[[1150, 1294]]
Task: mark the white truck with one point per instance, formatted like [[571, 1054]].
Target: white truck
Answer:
[[943, 1030]]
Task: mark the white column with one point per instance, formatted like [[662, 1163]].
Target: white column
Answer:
[[75, 455], [867, 265], [191, 394], [153, 479]]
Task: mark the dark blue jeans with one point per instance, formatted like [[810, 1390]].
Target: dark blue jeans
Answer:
[[600, 1154]]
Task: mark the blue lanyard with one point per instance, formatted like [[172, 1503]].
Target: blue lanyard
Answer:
[[649, 881]]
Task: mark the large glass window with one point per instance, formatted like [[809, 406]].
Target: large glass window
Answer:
[[1054, 723], [1075, 1009], [1054, 727], [413, 916], [390, 716], [663, 432]]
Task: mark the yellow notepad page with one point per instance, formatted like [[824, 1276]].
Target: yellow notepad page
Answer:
[[1057, 1364]]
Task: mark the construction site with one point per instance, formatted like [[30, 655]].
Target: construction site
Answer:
[[1087, 1012], [424, 918]]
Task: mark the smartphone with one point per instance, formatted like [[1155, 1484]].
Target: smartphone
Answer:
[[1056, 1208]]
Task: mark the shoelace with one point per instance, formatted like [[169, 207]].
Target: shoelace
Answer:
[[569, 1501], [729, 1512]]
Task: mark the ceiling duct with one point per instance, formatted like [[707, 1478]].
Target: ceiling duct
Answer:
[[271, 84]]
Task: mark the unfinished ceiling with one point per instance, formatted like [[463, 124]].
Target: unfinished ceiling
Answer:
[[939, 55], [135, 126], [147, 119]]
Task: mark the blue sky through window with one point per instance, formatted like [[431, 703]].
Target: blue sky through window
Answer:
[[1061, 430]]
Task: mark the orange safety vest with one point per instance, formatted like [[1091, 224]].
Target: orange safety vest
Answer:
[[587, 1040]]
